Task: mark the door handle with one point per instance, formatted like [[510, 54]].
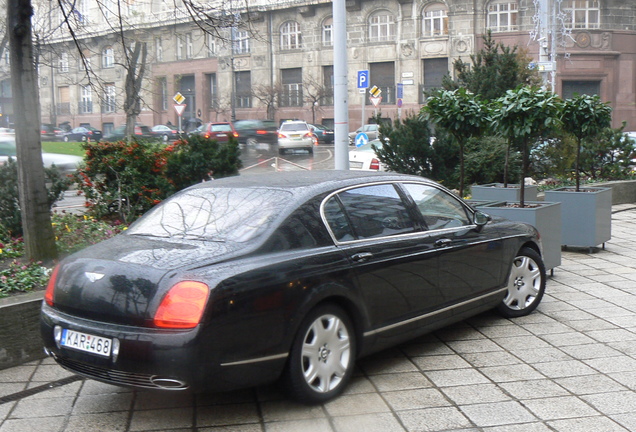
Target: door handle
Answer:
[[442, 243], [362, 257]]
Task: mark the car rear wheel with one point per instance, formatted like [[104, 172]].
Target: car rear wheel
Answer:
[[65, 138], [322, 357], [251, 142], [282, 151], [165, 138], [526, 285]]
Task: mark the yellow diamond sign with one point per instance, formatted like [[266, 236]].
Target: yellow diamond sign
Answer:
[[179, 98]]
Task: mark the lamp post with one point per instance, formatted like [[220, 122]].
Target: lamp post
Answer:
[[341, 110]]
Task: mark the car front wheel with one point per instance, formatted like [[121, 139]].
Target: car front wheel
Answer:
[[526, 285], [322, 357], [65, 138]]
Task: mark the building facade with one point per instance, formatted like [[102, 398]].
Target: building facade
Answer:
[[275, 59]]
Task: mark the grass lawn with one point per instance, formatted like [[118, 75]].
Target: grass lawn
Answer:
[[71, 148]]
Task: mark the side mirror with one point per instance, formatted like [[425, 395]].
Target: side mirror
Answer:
[[480, 219]]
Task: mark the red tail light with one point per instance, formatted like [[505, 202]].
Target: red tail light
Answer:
[[182, 307], [50, 287], [375, 164], [235, 134], [281, 135], [261, 132]]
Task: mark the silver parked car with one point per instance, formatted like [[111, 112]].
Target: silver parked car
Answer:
[[67, 164]]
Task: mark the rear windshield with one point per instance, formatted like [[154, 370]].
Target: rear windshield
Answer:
[[294, 127], [221, 128], [210, 214]]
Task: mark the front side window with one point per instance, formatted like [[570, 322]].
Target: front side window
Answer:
[[435, 20], [108, 57], [381, 27], [290, 36], [582, 14], [439, 209], [327, 32], [502, 16]]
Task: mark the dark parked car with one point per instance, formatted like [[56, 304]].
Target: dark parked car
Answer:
[[141, 132], [48, 132], [219, 131], [83, 133], [253, 132], [243, 280], [323, 133]]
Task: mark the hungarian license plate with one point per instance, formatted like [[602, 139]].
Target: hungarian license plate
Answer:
[[355, 165], [86, 342]]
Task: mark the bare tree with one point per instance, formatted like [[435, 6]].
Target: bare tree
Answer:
[[268, 95], [315, 91], [39, 239]]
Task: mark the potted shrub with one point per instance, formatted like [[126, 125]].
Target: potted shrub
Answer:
[[523, 116], [586, 212]]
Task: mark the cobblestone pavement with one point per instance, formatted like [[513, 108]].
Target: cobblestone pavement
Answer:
[[570, 366]]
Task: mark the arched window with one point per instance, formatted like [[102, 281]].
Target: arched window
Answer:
[[502, 16], [108, 57], [435, 20], [582, 14], [290, 36], [327, 32], [382, 27]]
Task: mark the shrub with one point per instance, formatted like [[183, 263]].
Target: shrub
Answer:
[[607, 156], [485, 158], [10, 215], [126, 179], [74, 231], [21, 277]]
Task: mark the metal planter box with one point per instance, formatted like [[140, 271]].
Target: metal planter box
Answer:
[[497, 192], [586, 215], [544, 216]]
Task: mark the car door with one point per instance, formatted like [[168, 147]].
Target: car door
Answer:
[[394, 261], [470, 258]]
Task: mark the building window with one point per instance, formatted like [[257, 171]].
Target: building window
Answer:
[[213, 98], [502, 16], [163, 89], [572, 88], [381, 27], [327, 32], [108, 58], [243, 89], [64, 101], [158, 49], [188, 45], [180, 48], [240, 41], [211, 45], [327, 80], [435, 20], [433, 71], [290, 35], [63, 62], [86, 100], [383, 76], [582, 14], [109, 99], [292, 81]]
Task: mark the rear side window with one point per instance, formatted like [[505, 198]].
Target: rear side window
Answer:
[[294, 127], [221, 128], [371, 212]]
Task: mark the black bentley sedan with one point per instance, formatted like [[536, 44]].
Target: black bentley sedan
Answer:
[[242, 281]]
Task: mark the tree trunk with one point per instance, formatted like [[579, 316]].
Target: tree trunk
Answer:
[[134, 79], [39, 239]]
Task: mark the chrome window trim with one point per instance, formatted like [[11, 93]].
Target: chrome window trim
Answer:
[[430, 314], [470, 210]]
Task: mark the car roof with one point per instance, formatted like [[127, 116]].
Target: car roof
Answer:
[[305, 184]]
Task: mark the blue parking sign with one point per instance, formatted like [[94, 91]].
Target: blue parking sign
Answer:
[[363, 79]]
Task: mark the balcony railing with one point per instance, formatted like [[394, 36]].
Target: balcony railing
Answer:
[[63, 108]]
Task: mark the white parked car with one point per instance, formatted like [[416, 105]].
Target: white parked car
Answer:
[[295, 135], [365, 158], [67, 164]]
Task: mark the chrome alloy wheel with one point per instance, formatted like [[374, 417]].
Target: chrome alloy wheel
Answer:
[[525, 283], [326, 353]]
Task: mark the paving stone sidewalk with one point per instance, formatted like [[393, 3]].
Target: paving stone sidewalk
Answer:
[[570, 366]]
